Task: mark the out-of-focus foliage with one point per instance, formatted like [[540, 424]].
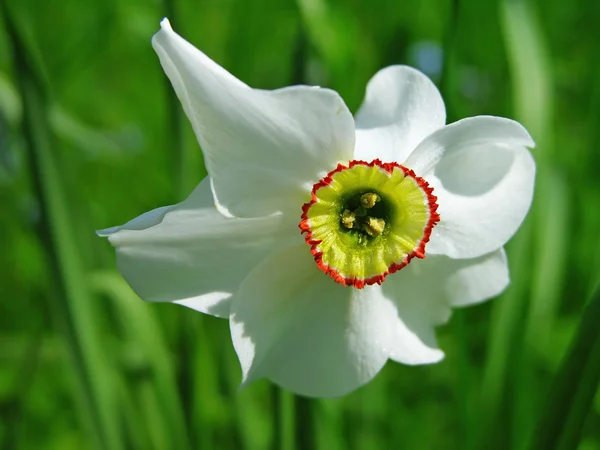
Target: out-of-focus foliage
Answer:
[[84, 364]]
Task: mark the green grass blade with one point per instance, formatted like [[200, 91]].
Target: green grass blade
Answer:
[[533, 101], [551, 250], [72, 306], [529, 68], [572, 392], [506, 331], [142, 330]]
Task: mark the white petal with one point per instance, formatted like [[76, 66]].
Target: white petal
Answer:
[[472, 281], [420, 307], [190, 254], [294, 325], [477, 131], [414, 337], [402, 106], [263, 149], [484, 187], [425, 290], [146, 220]]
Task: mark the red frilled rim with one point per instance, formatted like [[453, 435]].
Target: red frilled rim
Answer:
[[419, 252]]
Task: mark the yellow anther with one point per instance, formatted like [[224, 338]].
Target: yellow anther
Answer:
[[369, 199], [348, 219], [374, 226]]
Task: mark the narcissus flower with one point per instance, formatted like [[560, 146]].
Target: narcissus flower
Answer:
[[331, 243]]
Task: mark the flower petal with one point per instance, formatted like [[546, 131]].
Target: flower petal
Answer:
[[425, 290], [458, 282], [294, 325], [146, 220], [191, 254], [402, 106], [483, 177], [471, 281], [263, 149], [476, 131]]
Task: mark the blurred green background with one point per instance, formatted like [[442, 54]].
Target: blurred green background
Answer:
[[92, 136]]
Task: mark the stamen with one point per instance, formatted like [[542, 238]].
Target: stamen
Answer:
[[357, 218], [369, 199], [374, 226], [348, 219]]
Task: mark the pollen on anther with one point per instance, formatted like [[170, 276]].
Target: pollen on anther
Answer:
[[374, 226], [369, 199], [348, 218]]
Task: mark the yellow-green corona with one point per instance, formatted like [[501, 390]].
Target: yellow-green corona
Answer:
[[367, 220]]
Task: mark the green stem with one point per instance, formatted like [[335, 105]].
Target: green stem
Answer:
[[464, 369], [304, 424], [283, 419]]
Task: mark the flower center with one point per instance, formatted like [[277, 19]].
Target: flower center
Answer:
[[367, 220], [362, 215]]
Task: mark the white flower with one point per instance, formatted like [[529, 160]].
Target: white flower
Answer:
[[360, 190]]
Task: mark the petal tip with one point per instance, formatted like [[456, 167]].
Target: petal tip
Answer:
[[428, 355], [528, 140], [248, 377], [165, 24], [165, 27], [436, 356], [106, 232]]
